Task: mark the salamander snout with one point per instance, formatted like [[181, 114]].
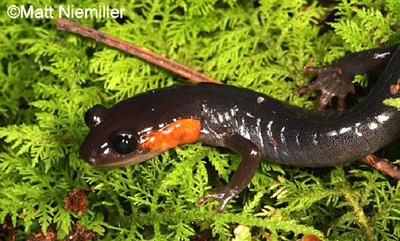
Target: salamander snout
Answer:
[[114, 149], [87, 155]]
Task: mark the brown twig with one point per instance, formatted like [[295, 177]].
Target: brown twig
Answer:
[[382, 165], [184, 71]]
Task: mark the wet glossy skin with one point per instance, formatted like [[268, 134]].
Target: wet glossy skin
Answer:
[[250, 123]]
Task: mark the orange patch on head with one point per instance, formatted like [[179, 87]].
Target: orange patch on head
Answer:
[[177, 133]]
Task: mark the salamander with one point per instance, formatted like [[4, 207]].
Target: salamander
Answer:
[[252, 124]]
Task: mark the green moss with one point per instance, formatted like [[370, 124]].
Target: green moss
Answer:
[[48, 79]]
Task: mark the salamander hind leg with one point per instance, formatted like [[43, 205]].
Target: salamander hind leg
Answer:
[[331, 82], [243, 175], [337, 79]]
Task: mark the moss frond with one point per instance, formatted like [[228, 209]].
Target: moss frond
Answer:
[[48, 79]]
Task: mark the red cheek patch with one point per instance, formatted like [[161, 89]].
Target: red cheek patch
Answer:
[[178, 133]]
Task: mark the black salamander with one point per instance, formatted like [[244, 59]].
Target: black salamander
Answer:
[[252, 124]]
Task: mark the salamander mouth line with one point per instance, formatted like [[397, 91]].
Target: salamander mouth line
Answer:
[[127, 160]]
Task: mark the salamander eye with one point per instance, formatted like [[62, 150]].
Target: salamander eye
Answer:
[[95, 115], [124, 142]]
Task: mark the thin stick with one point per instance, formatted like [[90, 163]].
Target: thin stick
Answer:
[[382, 165], [177, 68]]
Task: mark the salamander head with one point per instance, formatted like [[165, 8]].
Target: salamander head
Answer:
[[114, 141]]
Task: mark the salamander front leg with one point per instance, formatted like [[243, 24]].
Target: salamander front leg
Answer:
[[243, 175]]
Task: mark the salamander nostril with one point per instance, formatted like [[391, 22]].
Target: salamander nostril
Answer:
[[86, 154], [91, 161]]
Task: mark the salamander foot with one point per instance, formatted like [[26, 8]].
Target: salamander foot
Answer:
[[331, 82], [223, 194]]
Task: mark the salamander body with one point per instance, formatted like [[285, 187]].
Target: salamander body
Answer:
[[250, 123]]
